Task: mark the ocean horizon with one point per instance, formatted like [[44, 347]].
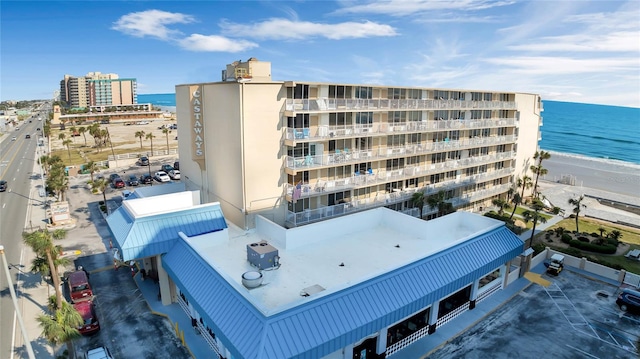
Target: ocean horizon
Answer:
[[598, 132]]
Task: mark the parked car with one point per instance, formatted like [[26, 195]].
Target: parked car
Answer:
[[174, 174], [176, 165], [118, 182], [98, 353], [88, 312], [166, 168], [3, 185], [162, 176], [143, 161], [146, 179], [79, 287], [174, 126], [629, 301], [133, 180]]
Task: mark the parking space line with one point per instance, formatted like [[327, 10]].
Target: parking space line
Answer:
[[581, 351]]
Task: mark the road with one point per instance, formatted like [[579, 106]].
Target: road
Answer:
[[17, 160]]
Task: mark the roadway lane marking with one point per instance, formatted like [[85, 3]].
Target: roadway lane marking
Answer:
[[4, 205]]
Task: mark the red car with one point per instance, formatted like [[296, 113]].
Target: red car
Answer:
[[88, 312], [79, 287]]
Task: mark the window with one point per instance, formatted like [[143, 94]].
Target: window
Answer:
[[395, 140], [415, 138], [441, 115], [486, 132], [339, 92], [482, 169], [454, 135], [441, 95], [440, 136], [300, 121], [476, 114], [486, 114], [503, 114], [395, 164], [438, 177], [339, 145], [413, 160], [363, 92], [398, 116], [362, 167], [362, 192], [300, 150], [484, 151], [502, 131], [363, 143], [488, 96], [473, 152], [300, 176], [474, 133], [414, 115], [339, 172], [470, 171], [397, 94], [438, 157], [454, 155], [451, 174], [389, 187], [476, 96], [457, 95], [364, 117], [498, 165]]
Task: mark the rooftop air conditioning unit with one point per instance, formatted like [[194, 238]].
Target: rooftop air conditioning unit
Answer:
[[262, 255]]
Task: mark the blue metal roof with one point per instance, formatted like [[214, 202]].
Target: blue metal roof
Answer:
[[156, 234], [331, 322]]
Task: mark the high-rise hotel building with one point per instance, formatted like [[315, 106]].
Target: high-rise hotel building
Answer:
[[98, 89], [301, 152]]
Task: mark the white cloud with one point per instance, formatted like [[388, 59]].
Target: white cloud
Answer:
[[152, 23], [549, 65], [405, 7], [214, 43], [278, 28], [623, 41]]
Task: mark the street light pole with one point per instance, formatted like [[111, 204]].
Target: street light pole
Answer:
[[27, 343]]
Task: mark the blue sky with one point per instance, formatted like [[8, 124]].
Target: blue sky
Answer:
[[577, 51]]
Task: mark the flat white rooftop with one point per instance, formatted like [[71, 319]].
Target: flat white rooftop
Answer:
[[367, 244]]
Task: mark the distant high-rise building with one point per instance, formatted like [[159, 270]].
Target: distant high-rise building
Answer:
[[98, 89]]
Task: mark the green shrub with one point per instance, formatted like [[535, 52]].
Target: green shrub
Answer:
[[574, 252], [605, 249], [103, 208], [583, 239], [538, 248], [494, 215], [613, 241], [566, 238]]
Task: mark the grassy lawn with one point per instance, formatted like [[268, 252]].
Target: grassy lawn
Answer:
[[520, 210], [629, 236]]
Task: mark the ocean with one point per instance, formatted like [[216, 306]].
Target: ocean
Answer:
[[585, 130]]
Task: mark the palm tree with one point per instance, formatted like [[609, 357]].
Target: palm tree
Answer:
[[73, 130], [501, 204], [601, 230], [516, 200], [61, 325], [100, 185], [417, 199], [538, 169], [438, 201], [62, 136], [577, 208], [150, 137], [82, 130], [524, 182], [534, 217], [615, 234], [92, 167], [68, 144], [140, 135], [41, 242], [166, 132]]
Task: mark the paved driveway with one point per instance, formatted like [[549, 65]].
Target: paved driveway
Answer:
[[128, 328]]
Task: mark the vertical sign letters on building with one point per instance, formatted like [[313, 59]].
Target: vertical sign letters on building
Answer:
[[197, 126]]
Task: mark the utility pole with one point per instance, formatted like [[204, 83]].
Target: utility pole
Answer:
[[27, 343]]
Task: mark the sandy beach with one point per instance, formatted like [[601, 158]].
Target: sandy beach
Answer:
[[605, 175], [595, 178]]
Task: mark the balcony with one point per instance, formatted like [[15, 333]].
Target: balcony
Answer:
[[324, 187], [323, 133], [293, 106], [346, 156], [295, 219]]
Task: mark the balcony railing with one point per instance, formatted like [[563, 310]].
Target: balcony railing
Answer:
[[382, 129], [338, 105], [314, 215], [347, 156], [321, 187]]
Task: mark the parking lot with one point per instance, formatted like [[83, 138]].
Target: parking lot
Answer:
[[128, 327], [575, 317]]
